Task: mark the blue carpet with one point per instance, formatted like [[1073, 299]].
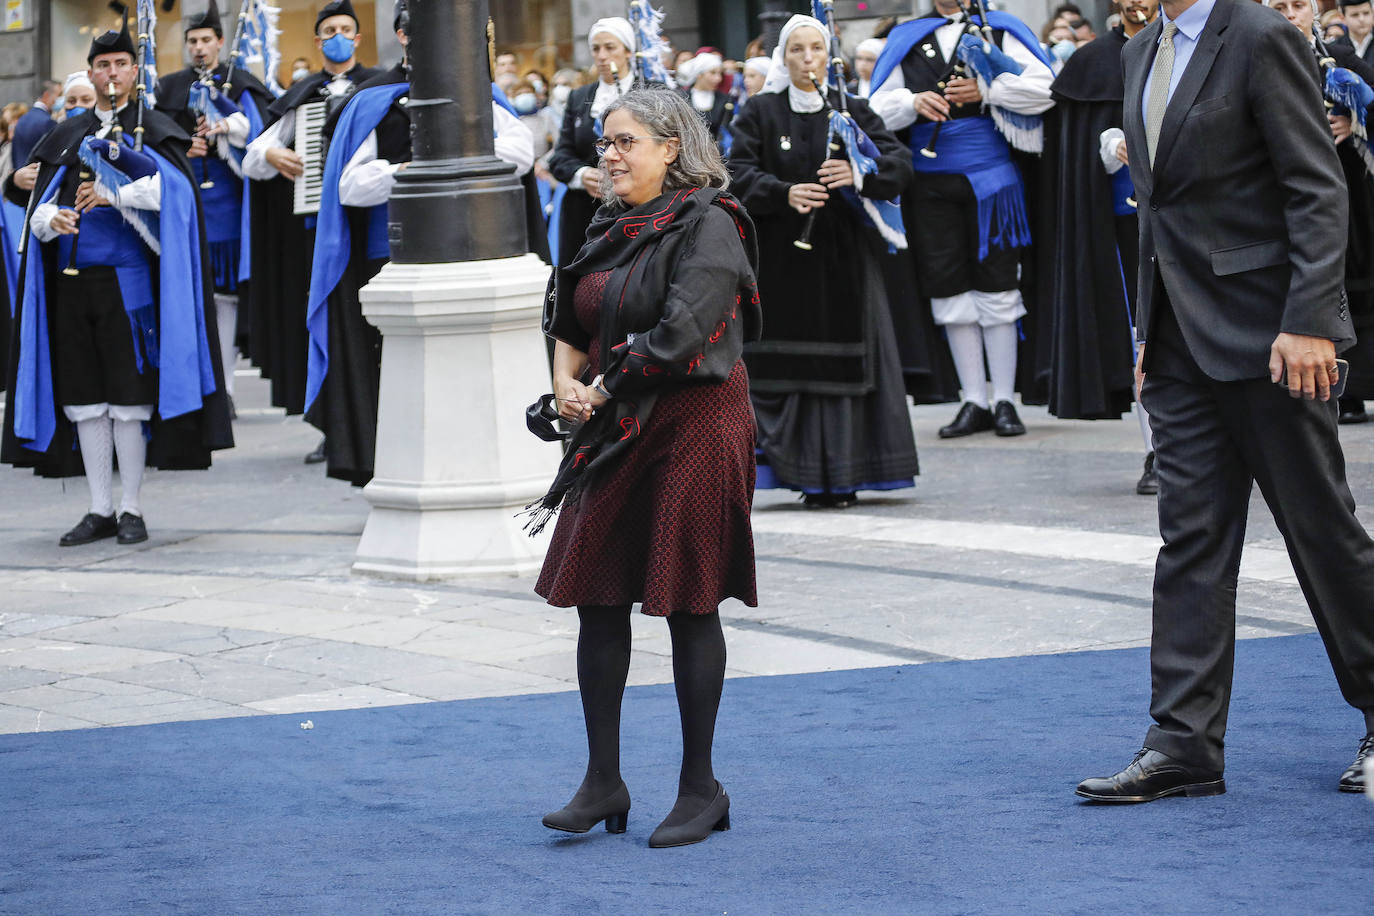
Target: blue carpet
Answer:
[[938, 788]]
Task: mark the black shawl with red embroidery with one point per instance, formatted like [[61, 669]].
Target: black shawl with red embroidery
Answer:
[[678, 307]]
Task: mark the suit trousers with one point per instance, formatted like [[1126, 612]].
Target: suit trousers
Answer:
[[1213, 441]]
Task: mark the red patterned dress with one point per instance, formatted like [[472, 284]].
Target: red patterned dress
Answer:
[[669, 525]]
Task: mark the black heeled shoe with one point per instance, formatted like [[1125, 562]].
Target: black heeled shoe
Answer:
[[715, 816], [614, 810]]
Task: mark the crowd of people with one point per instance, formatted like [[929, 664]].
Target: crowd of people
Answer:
[[757, 265]]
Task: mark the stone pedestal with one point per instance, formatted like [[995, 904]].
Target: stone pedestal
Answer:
[[462, 356]]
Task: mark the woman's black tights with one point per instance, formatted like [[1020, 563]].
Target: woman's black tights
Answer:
[[603, 663]]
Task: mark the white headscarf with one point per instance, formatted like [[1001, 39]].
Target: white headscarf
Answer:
[[778, 77], [873, 46], [759, 65], [691, 69], [615, 26], [79, 78]]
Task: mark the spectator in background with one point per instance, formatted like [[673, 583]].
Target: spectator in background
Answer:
[[526, 103], [8, 115], [1333, 25], [865, 56], [78, 94], [506, 63], [300, 69], [34, 124], [539, 84], [1082, 31]]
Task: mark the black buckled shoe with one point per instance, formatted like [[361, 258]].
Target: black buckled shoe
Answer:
[[132, 530], [91, 528], [1005, 421], [1353, 779], [1148, 484], [969, 420], [614, 809], [1153, 775], [715, 816]]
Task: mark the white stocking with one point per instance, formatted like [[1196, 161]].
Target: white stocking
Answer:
[[227, 320], [97, 446], [1000, 342], [966, 346], [133, 452]]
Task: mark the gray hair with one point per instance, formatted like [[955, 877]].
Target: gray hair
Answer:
[[668, 115]]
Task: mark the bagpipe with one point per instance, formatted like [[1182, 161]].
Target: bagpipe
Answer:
[[256, 42], [650, 45], [1346, 93], [845, 138], [958, 67], [214, 106]]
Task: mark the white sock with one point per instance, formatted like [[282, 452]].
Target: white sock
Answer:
[[97, 450], [1145, 432], [1000, 342], [227, 320], [133, 452], [966, 346]]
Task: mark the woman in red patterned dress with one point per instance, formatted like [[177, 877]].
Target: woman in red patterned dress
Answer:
[[656, 488]]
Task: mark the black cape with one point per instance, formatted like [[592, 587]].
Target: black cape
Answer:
[[1086, 255], [573, 150], [281, 247], [182, 443]]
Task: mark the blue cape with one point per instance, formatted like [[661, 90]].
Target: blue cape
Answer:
[[186, 374], [11, 221], [906, 36], [245, 221], [333, 239]]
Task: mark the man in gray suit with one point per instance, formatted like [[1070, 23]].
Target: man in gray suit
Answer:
[[1243, 214]]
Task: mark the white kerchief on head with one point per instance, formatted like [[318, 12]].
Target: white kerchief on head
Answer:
[[698, 65], [79, 78], [778, 77], [873, 46], [615, 26], [759, 65]]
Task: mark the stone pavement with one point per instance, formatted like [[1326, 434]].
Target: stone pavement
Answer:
[[242, 602]]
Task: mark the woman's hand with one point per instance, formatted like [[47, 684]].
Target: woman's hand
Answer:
[[574, 399], [27, 177], [836, 173], [1341, 128], [591, 183], [807, 197]]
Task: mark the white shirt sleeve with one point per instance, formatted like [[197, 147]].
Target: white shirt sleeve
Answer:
[[255, 163], [893, 102], [42, 216], [238, 129], [1111, 140], [1027, 92], [514, 140], [142, 194], [578, 176], [366, 180]]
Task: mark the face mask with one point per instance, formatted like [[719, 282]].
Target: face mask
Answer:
[[525, 103], [560, 94], [1063, 49], [338, 48], [73, 112], [300, 74], [538, 85]]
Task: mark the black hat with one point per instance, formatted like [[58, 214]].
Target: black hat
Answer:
[[401, 18], [206, 20], [112, 42], [336, 8]]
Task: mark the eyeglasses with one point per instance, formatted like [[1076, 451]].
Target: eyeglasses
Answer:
[[622, 142]]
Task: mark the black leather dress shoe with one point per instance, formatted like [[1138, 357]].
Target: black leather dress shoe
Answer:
[[1005, 421], [318, 455], [131, 529], [1352, 411], [1353, 779], [614, 809], [1148, 484], [715, 816], [1150, 776], [91, 528], [969, 420]]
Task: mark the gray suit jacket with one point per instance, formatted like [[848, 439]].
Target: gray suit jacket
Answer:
[[1243, 216]]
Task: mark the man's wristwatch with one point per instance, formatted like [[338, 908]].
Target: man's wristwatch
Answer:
[[599, 388]]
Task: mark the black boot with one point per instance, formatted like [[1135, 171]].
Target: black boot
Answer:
[[1148, 484], [1353, 779], [969, 420], [1352, 411], [318, 455]]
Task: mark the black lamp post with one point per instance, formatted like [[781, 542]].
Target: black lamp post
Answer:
[[455, 201]]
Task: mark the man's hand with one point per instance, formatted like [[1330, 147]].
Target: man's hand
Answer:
[[1341, 128], [836, 173], [286, 162], [198, 147], [1309, 362], [930, 105], [1139, 371], [963, 91], [87, 198], [27, 177], [807, 197], [64, 222], [1121, 153]]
